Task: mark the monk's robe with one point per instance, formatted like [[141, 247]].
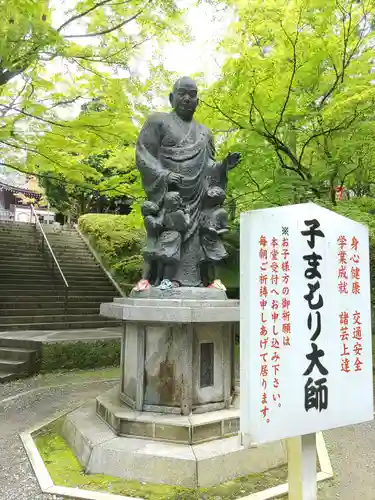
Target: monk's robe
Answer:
[[168, 144]]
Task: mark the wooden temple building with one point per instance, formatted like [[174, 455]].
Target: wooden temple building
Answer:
[[15, 203]]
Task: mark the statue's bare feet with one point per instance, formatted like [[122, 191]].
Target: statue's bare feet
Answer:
[[166, 285], [142, 285], [218, 284]]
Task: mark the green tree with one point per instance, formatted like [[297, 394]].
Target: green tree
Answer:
[[296, 97], [53, 57], [74, 200]]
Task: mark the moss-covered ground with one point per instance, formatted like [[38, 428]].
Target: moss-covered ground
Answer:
[[65, 470]]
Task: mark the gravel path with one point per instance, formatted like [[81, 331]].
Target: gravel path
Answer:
[[28, 402], [17, 480]]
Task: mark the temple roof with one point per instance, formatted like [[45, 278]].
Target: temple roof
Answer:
[[19, 190]]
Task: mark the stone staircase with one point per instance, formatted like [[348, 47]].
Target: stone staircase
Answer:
[[18, 358], [32, 298]]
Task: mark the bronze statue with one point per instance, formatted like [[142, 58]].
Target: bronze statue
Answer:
[[176, 154]]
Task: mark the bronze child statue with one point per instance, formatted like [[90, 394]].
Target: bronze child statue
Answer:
[[213, 224], [152, 219], [175, 222]]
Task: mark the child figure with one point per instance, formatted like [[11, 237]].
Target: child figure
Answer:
[[213, 223], [175, 222], [152, 219]]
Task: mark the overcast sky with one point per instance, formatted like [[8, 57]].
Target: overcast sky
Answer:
[[207, 26], [200, 56]]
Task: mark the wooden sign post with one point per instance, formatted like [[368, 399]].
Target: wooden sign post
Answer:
[[305, 342], [302, 467]]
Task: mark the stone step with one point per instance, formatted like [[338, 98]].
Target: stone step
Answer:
[[28, 241], [42, 274], [66, 242], [66, 325], [70, 248], [47, 273], [56, 297], [24, 275], [26, 256], [33, 345], [73, 256], [12, 307], [47, 311], [8, 377], [73, 294], [43, 265], [14, 259], [17, 227], [16, 353], [58, 318], [53, 285], [17, 230], [10, 251], [12, 366], [54, 280]]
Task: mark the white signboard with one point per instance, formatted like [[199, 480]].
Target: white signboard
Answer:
[[306, 358]]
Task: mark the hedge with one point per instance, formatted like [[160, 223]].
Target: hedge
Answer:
[[80, 355], [118, 239]]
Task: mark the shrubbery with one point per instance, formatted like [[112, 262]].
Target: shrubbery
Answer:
[[80, 355], [119, 240]]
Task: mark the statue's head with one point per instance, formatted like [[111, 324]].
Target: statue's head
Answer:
[[215, 195], [184, 98], [172, 201], [149, 208]]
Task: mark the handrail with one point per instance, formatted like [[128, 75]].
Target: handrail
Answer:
[[54, 260]]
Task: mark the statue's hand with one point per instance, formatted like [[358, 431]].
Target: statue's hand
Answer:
[[174, 178], [232, 160]]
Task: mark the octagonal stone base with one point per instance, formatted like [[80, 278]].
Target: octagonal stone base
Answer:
[[192, 429], [101, 451], [177, 353]]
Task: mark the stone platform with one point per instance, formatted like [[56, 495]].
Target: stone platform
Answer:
[[192, 429], [101, 451], [174, 419], [192, 293]]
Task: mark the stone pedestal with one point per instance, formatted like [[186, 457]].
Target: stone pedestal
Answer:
[[176, 353], [176, 411]]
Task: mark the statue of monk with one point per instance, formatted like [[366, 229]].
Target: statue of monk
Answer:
[[175, 153]]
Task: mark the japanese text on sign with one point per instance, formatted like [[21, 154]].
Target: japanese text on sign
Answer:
[[275, 317], [316, 390]]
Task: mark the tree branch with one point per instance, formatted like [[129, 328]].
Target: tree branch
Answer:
[[25, 113], [341, 126], [15, 98], [345, 60], [83, 14], [6, 76], [293, 74], [254, 106], [109, 30], [31, 150], [288, 167], [217, 108], [67, 101]]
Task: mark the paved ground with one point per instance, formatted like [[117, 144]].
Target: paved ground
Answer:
[[25, 403], [65, 335], [48, 396]]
